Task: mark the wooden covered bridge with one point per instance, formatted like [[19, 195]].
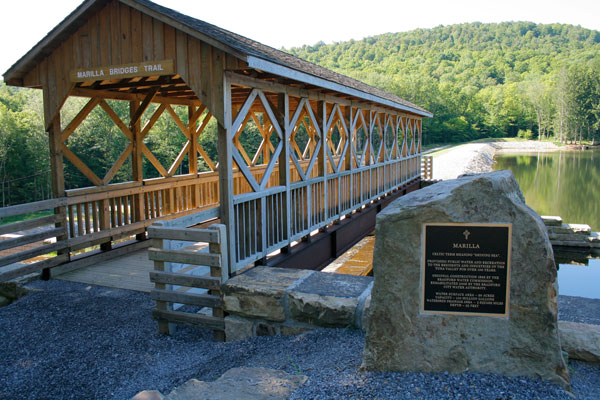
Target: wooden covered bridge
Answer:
[[299, 149]]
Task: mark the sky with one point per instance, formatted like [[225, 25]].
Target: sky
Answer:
[[284, 23]]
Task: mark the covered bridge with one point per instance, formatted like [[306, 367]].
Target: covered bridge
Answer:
[[328, 146]]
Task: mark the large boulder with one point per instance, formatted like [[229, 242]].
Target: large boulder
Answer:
[[402, 338]]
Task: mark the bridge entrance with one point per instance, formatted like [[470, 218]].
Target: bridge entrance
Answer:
[[276, 148]]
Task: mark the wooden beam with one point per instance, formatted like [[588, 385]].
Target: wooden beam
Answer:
[[111, 113], [80, 165], [74, 124], [115, 168], [113, 95], [142, 108], [161, 170]]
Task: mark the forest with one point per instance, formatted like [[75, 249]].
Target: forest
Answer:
[[483, 80], [479, 80]]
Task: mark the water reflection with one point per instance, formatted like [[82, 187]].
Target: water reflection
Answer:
[[565, 184], [561, 183]]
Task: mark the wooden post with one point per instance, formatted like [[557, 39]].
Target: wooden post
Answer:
[[282, 113], [217, 272], [58, 181], [136, 164], [224, 143]]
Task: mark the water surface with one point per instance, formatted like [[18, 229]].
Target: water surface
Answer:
[[567, 184]]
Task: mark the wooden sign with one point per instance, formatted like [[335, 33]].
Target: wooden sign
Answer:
[[150, 68], [465, 269]]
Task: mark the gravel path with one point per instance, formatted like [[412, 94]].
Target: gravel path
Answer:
[[74, 341]]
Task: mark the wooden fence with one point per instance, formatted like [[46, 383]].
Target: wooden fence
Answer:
[[189, 267]]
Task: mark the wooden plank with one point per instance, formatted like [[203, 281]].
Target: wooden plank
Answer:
[[171, 278], [98, 256], [125, 34], [186, 234], [185, 257], [182, 54], [13, 271], [36, 237], [136, 36], [29, 224], [179, 317], [204, 300], [104, 27], [159, 42], [115, 33], [32, 207], [27, 254]]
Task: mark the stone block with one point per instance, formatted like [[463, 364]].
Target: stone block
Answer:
[[259, 292], [291, 328], [237, 328], [580, 341], [266, 329], [322, 310], [402, 338], [552, 220], [327, 299]]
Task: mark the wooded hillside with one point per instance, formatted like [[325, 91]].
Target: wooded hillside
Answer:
[[482, 79]]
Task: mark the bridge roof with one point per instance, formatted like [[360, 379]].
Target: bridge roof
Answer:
[[257, 55]]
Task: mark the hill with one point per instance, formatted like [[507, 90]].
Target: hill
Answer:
[[478, 79]]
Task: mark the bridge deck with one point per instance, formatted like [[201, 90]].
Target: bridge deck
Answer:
[[128, 272]]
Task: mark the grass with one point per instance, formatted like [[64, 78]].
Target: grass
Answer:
[[24, 217]]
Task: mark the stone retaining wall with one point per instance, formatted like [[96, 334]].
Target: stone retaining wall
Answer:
[[268, 301]]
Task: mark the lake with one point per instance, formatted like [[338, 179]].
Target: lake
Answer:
[[564, 183]]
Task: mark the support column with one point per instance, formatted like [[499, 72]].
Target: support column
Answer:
[[58, 182], [282, 113], [224, 144], [136, 164]]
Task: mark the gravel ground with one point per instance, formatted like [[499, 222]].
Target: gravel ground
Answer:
[[75, 341]]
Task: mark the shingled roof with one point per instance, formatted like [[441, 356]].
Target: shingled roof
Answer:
[[256, 54]]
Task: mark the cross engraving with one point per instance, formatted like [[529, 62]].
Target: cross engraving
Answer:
[[466, 233]]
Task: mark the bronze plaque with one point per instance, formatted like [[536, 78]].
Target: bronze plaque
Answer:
[[465, 269]]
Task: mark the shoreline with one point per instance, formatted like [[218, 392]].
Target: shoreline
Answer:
[[475, 158]]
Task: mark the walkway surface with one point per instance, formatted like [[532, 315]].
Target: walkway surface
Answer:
[[128, 272]]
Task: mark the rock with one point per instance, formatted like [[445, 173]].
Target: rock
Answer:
[[237, 328], [401, 338], [148, 395], [4, 301], [241, 383], [322, 310], [13, 290], [259, 295], [581, 341], [327, 299]]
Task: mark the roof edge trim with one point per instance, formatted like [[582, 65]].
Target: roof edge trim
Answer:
[[277, 69]]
